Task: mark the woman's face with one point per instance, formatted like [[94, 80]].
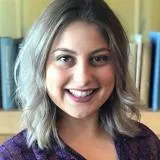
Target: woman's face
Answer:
[[79, 72]]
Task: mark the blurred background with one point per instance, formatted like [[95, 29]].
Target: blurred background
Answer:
[[137, 16]]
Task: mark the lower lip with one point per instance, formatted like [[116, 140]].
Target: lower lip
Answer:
[[81, 99]]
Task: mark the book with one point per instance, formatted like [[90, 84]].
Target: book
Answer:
[[138, 40], [0, 79], [132, 60], [145, 73], [155, 75], [8, 57]]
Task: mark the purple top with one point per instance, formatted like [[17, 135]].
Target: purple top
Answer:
[[144, 146]]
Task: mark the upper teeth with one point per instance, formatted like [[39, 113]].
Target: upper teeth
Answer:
[[81, 93]]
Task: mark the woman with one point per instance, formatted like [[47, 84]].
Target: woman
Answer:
[[73, 84]]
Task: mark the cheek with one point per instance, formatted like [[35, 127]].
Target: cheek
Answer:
[[108, 77], [109, 83], [54, 78]]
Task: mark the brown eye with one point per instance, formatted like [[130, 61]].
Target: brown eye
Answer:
[[65, 60], [99, 60]]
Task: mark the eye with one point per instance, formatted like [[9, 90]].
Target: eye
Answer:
[[65, 60], [99, 60]]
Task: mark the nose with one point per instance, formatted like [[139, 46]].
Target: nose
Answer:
[[83, 74]]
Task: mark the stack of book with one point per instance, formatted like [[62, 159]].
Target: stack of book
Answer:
[[144, 68], [8, 53]]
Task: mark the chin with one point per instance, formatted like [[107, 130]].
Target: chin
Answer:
[[79, 116], [82, 115]]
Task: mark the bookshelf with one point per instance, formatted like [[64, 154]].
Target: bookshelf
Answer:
[[10, 122]]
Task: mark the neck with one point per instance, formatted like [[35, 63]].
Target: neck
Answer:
[[73, 127]]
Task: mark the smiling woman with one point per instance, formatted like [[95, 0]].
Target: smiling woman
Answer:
[[74, 87], [76, 67]]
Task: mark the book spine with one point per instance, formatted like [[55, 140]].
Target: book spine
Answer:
[[0, 79], [146, 74], [8, 56], [139, 62], [138, 40], [132, 60], [155, 81]]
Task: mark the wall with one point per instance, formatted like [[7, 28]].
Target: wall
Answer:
[[16, 16], [127, 12], [150, 16], [10, 24], [154, 14], [137, 16], [31, 9]]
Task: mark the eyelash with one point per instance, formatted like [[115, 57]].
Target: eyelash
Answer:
[[66, 59], [99, 60]]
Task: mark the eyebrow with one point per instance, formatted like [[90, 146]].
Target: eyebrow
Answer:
[[74, 52]]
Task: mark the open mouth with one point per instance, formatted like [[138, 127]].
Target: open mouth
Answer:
[[81, 96], [77, 93]]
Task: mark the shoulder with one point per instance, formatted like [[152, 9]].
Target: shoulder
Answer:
[[15, 147], [149, 143], [145, 145], [147, 134]]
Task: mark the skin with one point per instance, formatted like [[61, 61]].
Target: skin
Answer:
[[79, 60], [72, 65]]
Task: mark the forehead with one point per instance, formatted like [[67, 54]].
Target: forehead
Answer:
[[80, 35]]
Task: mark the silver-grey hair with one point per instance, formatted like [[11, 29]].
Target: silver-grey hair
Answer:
[[40, 114]]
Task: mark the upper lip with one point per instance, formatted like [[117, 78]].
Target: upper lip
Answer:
[[87, 89]]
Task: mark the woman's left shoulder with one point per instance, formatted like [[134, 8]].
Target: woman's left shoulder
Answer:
[[146, 137], [146, 132], [144, 145], [147, 142]]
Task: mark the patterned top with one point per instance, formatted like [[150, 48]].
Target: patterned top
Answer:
[[144, 146]]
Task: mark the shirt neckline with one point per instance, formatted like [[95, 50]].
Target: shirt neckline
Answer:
[[69, 150]]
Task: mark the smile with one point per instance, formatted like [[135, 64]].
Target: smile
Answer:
[[81, 96], [78, 93]]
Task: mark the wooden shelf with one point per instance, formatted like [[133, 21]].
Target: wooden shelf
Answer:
[[10, 121], [152, 120]]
